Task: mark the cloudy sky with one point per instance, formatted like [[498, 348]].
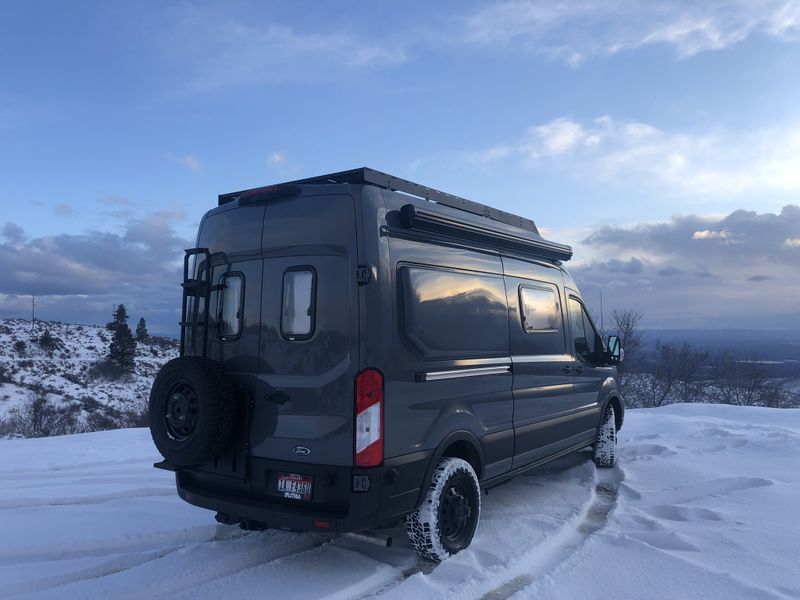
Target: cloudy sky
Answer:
[[661, 139]]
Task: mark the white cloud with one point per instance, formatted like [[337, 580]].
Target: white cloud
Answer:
[[276, 159], [218, 50], [708, 234], [663, 270], [572, 30], [713, 163], [791, 243], [560, 136], [190, 162]]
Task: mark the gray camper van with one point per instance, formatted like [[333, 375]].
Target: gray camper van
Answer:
[[360, 351]]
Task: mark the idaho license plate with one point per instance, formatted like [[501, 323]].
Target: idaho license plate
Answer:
[[294, 486]]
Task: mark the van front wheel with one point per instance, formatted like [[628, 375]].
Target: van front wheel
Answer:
[[448, 517], [605, 446]]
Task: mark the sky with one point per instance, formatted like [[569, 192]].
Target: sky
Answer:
[[660, 139]]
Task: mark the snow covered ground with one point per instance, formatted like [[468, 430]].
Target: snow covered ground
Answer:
[[704, 504], [66, 372]]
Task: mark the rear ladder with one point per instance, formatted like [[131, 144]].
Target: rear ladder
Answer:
[[196, 288]]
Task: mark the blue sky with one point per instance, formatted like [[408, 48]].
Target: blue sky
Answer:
[[121, 122]]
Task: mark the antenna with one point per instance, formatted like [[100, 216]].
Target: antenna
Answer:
[[602, 316]]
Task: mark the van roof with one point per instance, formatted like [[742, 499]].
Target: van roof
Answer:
[[367, 176]]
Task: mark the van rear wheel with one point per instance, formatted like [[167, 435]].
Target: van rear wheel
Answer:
[[447, 520], [192, 410]]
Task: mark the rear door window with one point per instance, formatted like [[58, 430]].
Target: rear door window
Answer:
[[229, 323], [298, 304]]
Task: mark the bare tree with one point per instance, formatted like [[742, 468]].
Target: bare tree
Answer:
[[689, 363], [742, 382], [663, 381], [625, 324]]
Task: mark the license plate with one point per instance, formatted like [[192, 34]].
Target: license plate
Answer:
[[294, 486]]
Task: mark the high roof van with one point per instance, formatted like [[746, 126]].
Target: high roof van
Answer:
[[360, 351]]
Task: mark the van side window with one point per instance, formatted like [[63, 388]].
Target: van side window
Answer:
[[453, 314], [299, 303], [539, 309], [583, 332], [229, 324]]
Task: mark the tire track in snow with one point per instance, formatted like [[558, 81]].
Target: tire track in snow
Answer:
[[116, 564], [195, 565], [568, 540], [79, 467], [339, 572], [135, 543], [13, 503], [421, 566]]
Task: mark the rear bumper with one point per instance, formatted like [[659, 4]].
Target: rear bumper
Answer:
[[335, 506]]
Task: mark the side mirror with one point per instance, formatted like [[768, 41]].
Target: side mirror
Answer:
[[615, 352]]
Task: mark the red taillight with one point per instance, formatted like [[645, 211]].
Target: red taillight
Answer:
[[322, 524], [369, 418]]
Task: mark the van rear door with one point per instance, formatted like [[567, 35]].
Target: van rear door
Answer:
[[308, 355]]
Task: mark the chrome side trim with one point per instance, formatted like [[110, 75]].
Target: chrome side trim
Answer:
[[539, 358], [459, 373]]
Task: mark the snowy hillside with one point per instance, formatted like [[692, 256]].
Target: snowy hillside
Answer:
[[702, 505], [68, 373]]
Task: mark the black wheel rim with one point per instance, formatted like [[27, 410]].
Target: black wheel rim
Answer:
[[455, 511], [181, 412]]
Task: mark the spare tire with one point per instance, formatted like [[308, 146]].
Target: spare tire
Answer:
[[192, 410]]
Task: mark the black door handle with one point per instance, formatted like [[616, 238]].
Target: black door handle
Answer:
[[566, 369], [579, 370]]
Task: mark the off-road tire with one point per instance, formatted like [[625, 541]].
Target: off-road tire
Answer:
[[212, 407], [605, 446], [425, 526]]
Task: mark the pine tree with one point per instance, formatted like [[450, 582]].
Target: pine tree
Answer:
[[122, 349], [112, 324], [141, 330], [120, 316]]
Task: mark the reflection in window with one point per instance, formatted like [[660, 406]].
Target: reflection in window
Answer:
[[297, 319], [449, 313], [539, 308], [230, 309]]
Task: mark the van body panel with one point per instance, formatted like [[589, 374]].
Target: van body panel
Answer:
[[422, 412]]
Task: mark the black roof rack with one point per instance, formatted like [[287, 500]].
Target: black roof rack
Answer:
[[369, 176]]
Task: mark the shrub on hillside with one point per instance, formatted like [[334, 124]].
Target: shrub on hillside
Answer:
[[163, 343], [104, 369], [38, 416], [48, 342]]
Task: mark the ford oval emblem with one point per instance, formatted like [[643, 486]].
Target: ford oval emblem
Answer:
[[301, 450]]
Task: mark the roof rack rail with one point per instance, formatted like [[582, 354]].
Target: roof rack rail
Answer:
[[369, 176]]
